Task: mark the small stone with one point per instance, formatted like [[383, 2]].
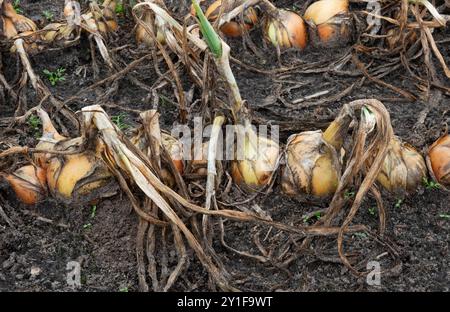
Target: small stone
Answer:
[[35, 271], [19, 276]]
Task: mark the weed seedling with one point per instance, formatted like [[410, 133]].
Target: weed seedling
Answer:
[[373, 211], [398, 203], [123, 289], [35, 123], [93, 211], [17, 8], [55, 76], [119, 121], [349, 194], [120, 8], [48, 15], [445, 216], [430, 184], [360, 235]]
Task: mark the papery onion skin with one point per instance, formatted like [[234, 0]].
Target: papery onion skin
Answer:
[[258, 165], [29, 184], [403, 169], [233, 28], [286, 30], [175, 149], [312, 166], [143, 37], [330, 23], [64, 175], [439, 160]]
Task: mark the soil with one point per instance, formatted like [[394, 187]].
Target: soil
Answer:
[[35, 250]]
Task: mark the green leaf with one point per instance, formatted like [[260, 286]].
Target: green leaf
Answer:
[[212, 38]]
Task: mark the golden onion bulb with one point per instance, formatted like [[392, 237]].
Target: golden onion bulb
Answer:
[[254, 168], [439, 160], [9, 31], [286, 30], [403, 169], [29, 184], [329, 21], [50, 137], [20, 22], [142, 36], [233, 28], [109, 13], [199, 162], [71, 176], [312, 165], [175, 149]]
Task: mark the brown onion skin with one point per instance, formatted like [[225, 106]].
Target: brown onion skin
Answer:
[[29, 184], [291, 31], [233, 28], [330, 23], [439, 160]]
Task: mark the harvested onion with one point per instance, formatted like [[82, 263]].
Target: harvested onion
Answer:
[[259, 160], [403, 168], [50, 137], [199, 163], [439, 160], [233, 28], [20, 22], [312, 165], [175, 149], [70, 176], [286, 29], [329, 22], [142, 36], [29, 184]]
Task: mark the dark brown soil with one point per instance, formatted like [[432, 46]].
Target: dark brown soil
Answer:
[[105, 243]]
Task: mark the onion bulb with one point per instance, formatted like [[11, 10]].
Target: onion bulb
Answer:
[[20, 22], [8, 30], [329, 22], [29, 184], [50, 137], [70, 176], [199, 162], [175, 149], [439, 160], [233, 28], [403, 168], [286, 30], [254, 168], [312, 165], [142, 36], [109, 14]]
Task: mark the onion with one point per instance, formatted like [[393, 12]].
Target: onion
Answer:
[[199, 162], [330, 22], [286, 30], [50, 137], [439, 160], [20, 22], [233, 28], [29, 184], [403, 168], [9, 31], [175, 149], [70, 176], [312, 165], [260, 157], [109, 13], [144, 38]]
